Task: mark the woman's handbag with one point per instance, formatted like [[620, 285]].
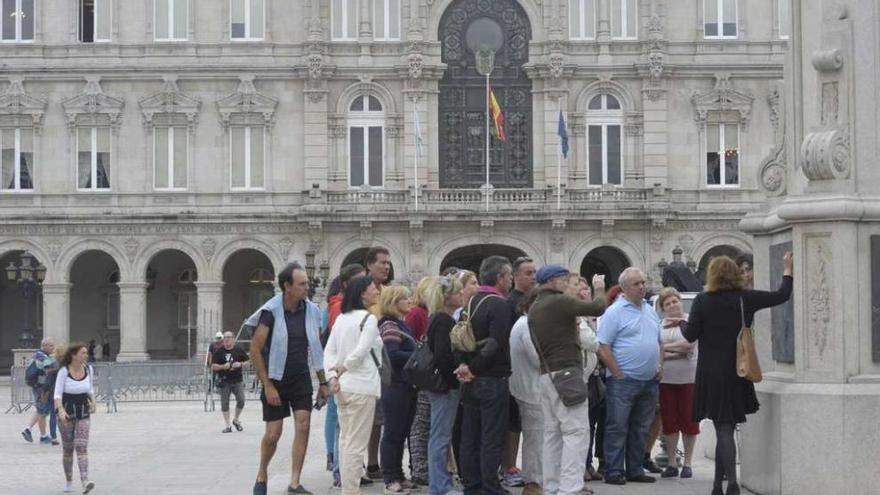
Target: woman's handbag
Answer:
[[568, 382], [747, 365]]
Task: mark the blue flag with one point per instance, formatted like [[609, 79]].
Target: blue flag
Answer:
[[563, 135]]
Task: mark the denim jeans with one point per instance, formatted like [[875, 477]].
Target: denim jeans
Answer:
[[330, 421], [443, 409], [483, 428], [630, 407], [399, 408]]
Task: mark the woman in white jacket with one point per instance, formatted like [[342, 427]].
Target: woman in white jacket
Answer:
[[352, 359], [75, 403]]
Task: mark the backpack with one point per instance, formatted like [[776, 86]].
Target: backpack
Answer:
[[462, 334], [420, 371], [32, 374]]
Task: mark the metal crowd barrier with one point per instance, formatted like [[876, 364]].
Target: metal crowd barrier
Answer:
[[21, 398]]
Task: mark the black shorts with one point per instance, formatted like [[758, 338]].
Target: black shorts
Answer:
[[514, 422], [296, 394]]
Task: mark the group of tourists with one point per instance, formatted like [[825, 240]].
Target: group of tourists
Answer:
[[576, 370]]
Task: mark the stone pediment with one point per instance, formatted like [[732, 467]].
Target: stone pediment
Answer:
[[169, 101], [15, 102], [722, 98], [87, 107], [246, 100]]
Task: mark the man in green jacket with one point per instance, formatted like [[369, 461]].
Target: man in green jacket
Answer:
[[555, 333]]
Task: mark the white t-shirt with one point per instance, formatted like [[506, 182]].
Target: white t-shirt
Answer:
[[65, 384], [350, 346], [678, 371], [524, 364]]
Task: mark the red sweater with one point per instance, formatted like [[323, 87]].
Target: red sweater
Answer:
[[417, 321], [334, 309]]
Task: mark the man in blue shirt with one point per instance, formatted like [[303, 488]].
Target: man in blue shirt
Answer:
[[629, 345]]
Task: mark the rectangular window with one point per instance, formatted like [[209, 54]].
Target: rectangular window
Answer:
[[386, 19], [605, 154], [719, 18], [17, 23], [170, 157], [93, 158], [722, 155], [367, 155], [94, 20], [247, 150], [623, 19], [16, 159], [345, 19], [247, 19], [187, 309], [582, 17], [171, 20], [784, 15]]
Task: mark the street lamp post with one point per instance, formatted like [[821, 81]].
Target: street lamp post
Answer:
[[318, 279], [28, 277]]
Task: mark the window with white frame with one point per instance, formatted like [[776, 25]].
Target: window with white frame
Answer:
[[93, 158], [604, 140], [784, 18], [386, 20], [170, 152], [719, 19], [247, 19], [17, 23], [247, 152], [582, 19], [624, 19], [16, 159], [344, 16], [171, 20], [722, 154], [366, 140], [94, 20]]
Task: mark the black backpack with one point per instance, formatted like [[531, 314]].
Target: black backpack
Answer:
[[420, 371], [32, 374]]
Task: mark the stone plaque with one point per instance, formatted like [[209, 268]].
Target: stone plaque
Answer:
[[782, 316], [875, 298]]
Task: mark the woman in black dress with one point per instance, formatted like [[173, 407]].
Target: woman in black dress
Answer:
[[716, 318]]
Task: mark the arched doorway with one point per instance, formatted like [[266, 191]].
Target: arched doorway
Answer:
[[248, 282], [470, 257], [466, 26], [720, 250], [172, 305], [605, 260], [21, 304], [94, 301]]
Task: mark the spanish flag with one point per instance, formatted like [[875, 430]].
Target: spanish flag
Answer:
[[497, 116]]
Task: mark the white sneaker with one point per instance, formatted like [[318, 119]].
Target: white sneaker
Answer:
[[88, 486], [68, 488]]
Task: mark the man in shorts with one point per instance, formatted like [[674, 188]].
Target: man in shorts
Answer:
[[227, 364], [287, 334]]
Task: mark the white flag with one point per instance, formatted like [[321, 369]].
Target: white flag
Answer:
[[419, 142]]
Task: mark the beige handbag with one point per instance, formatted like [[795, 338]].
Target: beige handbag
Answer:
[[747, 365]]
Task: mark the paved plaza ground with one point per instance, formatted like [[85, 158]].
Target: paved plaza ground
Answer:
[[176, 448]]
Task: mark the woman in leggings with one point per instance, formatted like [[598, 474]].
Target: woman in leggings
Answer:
[[75, 402]]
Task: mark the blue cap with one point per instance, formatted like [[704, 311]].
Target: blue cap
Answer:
[[547, 272]]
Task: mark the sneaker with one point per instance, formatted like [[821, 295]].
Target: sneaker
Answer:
[[375, 473], [26, 433], [669, 472], [88, 486], [337, 485], [512, 478], [686, 472], [47, 440], [395, 488], [259, 488], [299, 489], [68, 487], [650, 466], [55, 441], [237, 425], [228, 429], [615, 480]]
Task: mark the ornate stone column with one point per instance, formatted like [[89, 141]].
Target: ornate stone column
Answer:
[[56, 311], [133, 321], [210, 318]]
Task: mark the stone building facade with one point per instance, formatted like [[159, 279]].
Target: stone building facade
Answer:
[[162, 161]]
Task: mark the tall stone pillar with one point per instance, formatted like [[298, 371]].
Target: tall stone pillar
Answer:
[[132, 322], [56, 311], [210, 317], [821, 390]]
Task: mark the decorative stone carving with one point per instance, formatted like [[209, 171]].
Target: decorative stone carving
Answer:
[[170, 101], [658, 234], [827, 60], [830, 103], [655, 65], [316, 234], [607, 228], [556, 65], [131, 246], [416, 231], [315, 28], [316, 64], [209, 247], [773, 170], [92, 107], [24, 109], [487, 230], [284, 247], [366, 232], [53, 249], [416, 63], [557, 235], [686, 241], [825, 154], [246, 105], [723, 97], [819, 295]]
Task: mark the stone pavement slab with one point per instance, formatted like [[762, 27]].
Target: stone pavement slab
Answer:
[[177, 448]]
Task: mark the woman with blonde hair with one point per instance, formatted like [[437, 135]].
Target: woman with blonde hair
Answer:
[[677, 384], [399, 397], [74, 404], [443, 298], [717, 316]]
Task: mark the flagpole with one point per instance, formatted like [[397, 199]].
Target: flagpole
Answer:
[[487, 143], [416, 161], [559, 166]]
